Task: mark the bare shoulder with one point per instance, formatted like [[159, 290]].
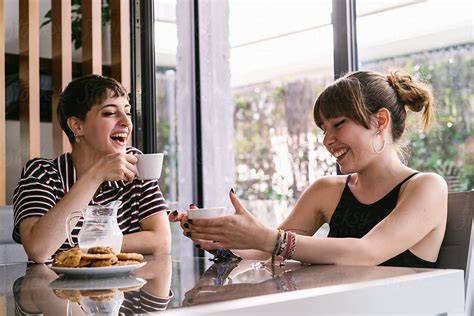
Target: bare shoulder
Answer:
[[428, 182], [427, 189], [325, 193], [327, 184]]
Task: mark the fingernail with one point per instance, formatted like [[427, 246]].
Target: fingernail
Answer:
[[186, 225], [192, 205], [188, 234], [198, 246], [175, 212], [232, 190], [190, 221]]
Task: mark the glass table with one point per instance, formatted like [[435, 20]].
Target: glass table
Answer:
[[194, 286]]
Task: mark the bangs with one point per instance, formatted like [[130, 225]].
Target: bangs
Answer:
[[108, 91], [342, 98]]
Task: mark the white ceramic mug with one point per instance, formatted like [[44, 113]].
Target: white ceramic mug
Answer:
[[206, 212], [149, 166]]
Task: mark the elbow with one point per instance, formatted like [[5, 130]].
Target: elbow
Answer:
[[163, 247], [36, 255], [360, 253]]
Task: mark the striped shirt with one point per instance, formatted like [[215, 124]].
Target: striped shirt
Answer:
[[44, 182]]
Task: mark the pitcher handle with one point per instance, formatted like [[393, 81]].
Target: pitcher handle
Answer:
[[69, 229]]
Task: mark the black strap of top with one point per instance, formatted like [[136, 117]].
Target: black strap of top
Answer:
[[347, 179], [400, 184], [407, 178]]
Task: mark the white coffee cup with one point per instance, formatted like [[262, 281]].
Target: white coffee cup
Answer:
[[206, 212], [149, 166]]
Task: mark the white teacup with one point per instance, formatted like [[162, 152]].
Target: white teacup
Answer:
[[149, 166], [206, 212]]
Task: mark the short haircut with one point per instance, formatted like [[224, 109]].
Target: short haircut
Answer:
[[82, 94]]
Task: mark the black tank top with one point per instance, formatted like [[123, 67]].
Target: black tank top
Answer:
[[354, 219]]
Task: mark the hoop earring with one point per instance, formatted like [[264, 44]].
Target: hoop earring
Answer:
[[77, 139], [373, 143]]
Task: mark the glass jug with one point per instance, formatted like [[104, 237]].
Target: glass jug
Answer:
[[99, 228]]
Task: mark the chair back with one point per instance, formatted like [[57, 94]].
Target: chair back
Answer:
[[456, 249]]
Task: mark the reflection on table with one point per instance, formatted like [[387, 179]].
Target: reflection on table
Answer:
[[205, 287], [41, 291]]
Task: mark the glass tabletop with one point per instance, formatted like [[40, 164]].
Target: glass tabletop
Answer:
[[168, 283]]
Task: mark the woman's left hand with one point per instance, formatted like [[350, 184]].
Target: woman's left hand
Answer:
[[239, 231]]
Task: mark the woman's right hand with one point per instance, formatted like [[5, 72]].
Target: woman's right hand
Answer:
[[114, 167]]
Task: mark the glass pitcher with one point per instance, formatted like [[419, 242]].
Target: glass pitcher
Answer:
[[99, 228]]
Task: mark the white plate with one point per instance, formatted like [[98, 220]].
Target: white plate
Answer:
[[123, 281], [97, 271]]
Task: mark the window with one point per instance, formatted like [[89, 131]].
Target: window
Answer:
[[281, 57], [433, 41]]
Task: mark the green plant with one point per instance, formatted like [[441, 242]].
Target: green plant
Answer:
[[76, 20]]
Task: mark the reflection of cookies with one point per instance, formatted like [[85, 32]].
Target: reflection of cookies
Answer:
[[104, 262], [99, 295], [71, 295], [68, 258], [94, 256], [130, 256], [126, 262], [100, 250], [131, 288]]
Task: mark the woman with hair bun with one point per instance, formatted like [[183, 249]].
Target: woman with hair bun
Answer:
[[380, 212]]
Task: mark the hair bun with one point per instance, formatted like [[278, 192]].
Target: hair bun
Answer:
[[412, 94]]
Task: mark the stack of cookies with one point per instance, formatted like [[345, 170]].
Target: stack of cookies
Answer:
[[95, 257]]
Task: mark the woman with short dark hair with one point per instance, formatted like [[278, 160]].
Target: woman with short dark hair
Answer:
[[95, 114]]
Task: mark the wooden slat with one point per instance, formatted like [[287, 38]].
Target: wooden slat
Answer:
[[29, 80], [61, 66], [120, 38], [3, 161], [91, 36]]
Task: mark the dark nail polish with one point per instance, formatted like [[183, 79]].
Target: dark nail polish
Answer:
[[190, 221], [232, 190], [175, 212], [188, 234], [192, 205], [186, 225], [198, 246]]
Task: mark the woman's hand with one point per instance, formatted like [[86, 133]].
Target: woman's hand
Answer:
[[182, 218], [115, 167], [239, 231]]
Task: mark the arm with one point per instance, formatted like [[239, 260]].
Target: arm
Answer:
[[42, 235], [154, 238], [155, 234], [307, 216], [421, 210]]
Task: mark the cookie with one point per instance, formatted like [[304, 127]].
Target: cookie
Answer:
[[69, 258], [126, 262], [84, 262], [104, 262], [100, 250], [130, 256], [94, 256]]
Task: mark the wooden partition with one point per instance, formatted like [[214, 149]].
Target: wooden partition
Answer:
[[61, 65], [91, 37], [29, 97], [29, 65]]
